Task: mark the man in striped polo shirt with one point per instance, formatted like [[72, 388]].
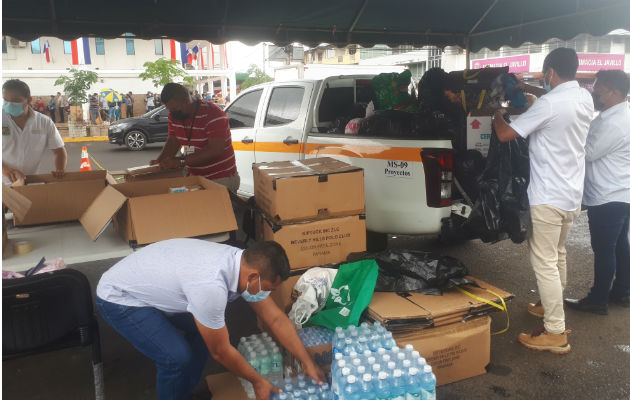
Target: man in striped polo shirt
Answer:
[[203, 130]]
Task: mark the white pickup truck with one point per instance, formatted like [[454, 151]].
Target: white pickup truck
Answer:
[[407, 182]]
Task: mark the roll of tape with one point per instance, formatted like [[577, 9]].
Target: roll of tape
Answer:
[[22, 247]]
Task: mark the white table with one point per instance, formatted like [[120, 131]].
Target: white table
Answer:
[[70, 242]]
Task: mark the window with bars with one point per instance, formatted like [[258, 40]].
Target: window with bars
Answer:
[[99, 44], [35, 47], [435, 58]]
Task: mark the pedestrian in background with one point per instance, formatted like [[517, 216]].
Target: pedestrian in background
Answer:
[[607, 194], [39, 106], [130, 101], [61, 105], [118, 107], [93, 107], [149, 101], [104, 109], [52, 107], [157, 100], [556, 126]]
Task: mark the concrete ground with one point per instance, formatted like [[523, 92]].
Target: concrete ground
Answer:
[[597, 368]]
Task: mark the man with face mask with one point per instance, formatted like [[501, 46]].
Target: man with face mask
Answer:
[[185, 285], [26, 135], [607, 194], [203, 129], [557, 126]]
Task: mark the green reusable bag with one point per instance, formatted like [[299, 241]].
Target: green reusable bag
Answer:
[[350, 294]]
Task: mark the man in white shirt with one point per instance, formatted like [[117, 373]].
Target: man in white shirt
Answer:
[[556, 125], [26, 135], [185, 284], [607, 194]]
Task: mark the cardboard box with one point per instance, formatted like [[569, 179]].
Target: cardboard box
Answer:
[[401, 312], [225, 386], [145, 172], [146, 211], [53, 199], [308, 189], [317, 242], [456, 351]]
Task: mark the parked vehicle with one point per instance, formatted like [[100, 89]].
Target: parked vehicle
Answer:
[[136, 132], [407, 181]]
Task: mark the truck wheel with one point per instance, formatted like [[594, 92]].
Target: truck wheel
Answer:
[[376, 241]]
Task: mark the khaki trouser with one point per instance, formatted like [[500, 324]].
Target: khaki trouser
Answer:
[[231, 182], [550, 228]]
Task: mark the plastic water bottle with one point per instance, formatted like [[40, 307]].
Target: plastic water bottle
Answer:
[[276, 365], [408, 350], [428, 383], [371, 361], [413, 387], [398, 385], [312, 393], [374, 343], [367, 388], [388, 341], [400, 359], [376, 368], [382, 387], [349, 346], [351, 391], [337, 358]]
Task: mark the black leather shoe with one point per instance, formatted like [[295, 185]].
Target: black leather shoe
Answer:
[[586, 306], [620, 301]]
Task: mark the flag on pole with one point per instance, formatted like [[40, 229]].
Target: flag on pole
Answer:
[[47, 51], [178, 51], [195, 50], [80, 51]]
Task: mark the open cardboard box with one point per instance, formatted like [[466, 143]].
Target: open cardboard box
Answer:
[[404, 311], [145, 172], [314, 243], [146, 211], [225, 386], [54, 199], [308, 189]]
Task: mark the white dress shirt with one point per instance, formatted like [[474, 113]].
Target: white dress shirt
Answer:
[[608, 157], [557, 126], [24, 149]]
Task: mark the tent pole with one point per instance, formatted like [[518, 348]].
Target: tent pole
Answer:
[[356, 20], [467, 52]]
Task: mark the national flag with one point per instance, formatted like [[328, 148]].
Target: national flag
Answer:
[[178, 51], [47, 51], [195, 50], [190, 56], [80, 51]]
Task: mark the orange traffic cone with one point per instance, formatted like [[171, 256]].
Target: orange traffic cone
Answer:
[[85, 160]]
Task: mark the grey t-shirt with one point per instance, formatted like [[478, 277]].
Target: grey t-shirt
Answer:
[[177, 275]]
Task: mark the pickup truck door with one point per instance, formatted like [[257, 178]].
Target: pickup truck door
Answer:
[[242, 114], [283, 124]]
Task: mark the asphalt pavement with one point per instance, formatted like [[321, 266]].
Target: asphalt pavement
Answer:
[[598, 366]]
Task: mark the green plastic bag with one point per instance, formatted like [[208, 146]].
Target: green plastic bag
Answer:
[[390, 90], [350, 294]]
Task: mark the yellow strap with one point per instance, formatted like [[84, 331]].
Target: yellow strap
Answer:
[[483, 94], [464, 99], [473, 76], [502, 307]]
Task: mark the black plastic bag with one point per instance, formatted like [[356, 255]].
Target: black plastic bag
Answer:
[[502, 207], [403, 124], [415, 271]]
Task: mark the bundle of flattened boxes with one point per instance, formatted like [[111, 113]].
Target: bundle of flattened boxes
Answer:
[[314, 208]]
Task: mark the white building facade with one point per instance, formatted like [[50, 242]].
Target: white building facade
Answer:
[[118, 62]]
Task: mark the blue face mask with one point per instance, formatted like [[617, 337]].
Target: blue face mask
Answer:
[[547, 86], [13, 109], [255, 298]]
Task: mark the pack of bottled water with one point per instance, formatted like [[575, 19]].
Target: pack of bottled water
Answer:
[[302, 388], [262, 353], [369, 365], [315, 336]]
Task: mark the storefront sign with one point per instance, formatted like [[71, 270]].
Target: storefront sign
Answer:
[[516, 63], [597, 62]]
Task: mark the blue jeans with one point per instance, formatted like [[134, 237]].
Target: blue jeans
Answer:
[[179, 359], [608, 224], [112, 114]]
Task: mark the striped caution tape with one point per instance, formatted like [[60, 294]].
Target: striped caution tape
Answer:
[[97, 164], [502, 307]]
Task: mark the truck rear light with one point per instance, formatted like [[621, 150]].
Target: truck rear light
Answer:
[[438, 172]]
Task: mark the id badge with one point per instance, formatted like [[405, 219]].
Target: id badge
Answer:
[[189, 150]]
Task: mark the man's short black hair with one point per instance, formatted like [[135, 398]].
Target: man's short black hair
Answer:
[[269, 258], [564, 61], [16, 85], [173, 91], [614, 80]]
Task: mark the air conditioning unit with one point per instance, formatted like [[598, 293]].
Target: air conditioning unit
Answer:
[[13, 42]]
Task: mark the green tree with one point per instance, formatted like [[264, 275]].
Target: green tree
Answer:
[[164, 71], [255, 76], [76, 85]]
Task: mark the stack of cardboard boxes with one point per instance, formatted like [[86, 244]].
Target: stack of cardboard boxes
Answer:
[[314, 208]]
